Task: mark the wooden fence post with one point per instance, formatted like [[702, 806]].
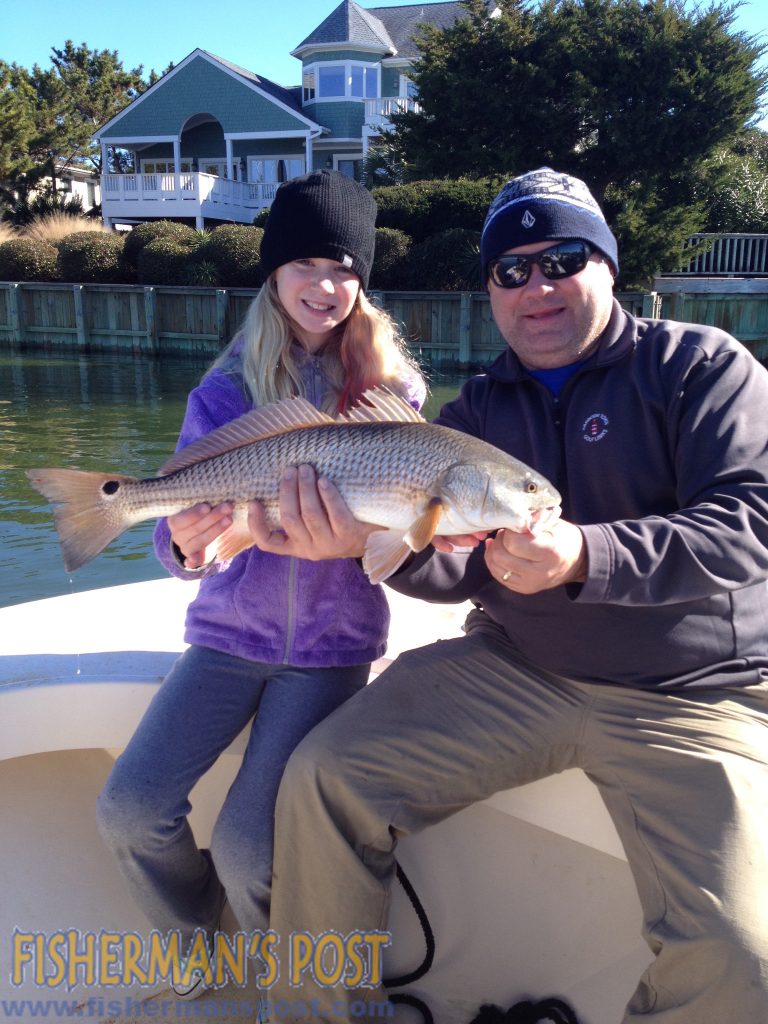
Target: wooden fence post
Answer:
[[652, 305], [16, 309], [150, 316], [222, 303], [465, 329], [80, 320]]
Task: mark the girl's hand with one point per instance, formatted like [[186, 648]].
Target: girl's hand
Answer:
[[316, 521], [195, 528]]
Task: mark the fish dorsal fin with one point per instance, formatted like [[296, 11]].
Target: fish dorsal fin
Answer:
[[268, 421], [380, 405]]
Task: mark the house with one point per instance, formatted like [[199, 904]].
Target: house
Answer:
[[76, 180], [211, 141]]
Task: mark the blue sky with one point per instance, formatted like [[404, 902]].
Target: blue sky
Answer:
[[257, 34]]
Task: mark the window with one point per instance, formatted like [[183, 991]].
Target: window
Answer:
[[331, 80], [340, 81], [164, 166], [407, 87], [364, 82], [274, 169]]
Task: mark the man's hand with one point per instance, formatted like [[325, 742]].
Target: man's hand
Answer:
[[316, 521], [195, 528], [459, 542], [531, 562]]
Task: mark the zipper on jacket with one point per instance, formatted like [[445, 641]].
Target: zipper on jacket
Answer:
[[290, 624]]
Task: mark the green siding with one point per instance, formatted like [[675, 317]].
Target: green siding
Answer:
[[344, 119], [268, 147], [198, 88]]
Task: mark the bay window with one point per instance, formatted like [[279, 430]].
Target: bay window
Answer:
[[340, 80]]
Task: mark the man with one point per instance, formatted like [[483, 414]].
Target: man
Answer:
[[627, 639]]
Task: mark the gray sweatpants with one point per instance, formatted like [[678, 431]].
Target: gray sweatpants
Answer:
[[684, 777]]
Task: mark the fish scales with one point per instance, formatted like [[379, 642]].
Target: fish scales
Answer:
[[410, 478], [380, 468]]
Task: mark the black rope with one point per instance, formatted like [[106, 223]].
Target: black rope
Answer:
[[429, 941], [419, 1004], [527, 1012], [429, 938]]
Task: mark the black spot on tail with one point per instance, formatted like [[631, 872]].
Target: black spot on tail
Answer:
[[110, 487]]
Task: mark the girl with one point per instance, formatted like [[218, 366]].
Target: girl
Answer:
[[280, 640]]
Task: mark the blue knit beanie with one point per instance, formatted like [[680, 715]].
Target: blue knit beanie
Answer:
[[540, 206]]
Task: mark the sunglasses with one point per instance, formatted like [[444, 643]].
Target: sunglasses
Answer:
[[562, 260]]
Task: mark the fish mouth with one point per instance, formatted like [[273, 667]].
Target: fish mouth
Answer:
[[541, 518]]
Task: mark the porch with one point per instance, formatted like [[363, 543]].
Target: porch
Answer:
[[377, 118], [191, 194]]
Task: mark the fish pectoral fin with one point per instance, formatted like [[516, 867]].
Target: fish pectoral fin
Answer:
[[234, 540], [385, 552], [423, 529]]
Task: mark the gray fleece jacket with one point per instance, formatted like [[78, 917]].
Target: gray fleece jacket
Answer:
[[659, 447]]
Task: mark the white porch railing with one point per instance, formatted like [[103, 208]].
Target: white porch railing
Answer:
[[190, 194], [735, 254], [379, 111]]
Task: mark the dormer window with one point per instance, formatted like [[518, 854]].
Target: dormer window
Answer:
[[340, 80], [364, 82], [331, 81]]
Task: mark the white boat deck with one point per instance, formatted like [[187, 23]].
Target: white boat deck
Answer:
[[528, 893]]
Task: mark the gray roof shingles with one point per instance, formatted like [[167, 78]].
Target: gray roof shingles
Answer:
[[387, 28], [402, 22]]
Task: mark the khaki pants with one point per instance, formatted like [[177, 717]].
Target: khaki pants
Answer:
[[684, 777]]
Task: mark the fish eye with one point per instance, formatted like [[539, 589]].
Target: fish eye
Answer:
[[530, 487], [110, 487]]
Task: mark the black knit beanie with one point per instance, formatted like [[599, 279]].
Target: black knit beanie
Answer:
[[540, 206], [326, 215]]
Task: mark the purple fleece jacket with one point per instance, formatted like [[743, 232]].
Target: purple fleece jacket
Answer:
[[275, 608]]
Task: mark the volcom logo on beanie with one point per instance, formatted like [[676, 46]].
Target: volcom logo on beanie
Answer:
[[555, 207]]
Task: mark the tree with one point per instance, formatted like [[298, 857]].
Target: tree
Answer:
[[737, 186], [634, 96], [48, 116]]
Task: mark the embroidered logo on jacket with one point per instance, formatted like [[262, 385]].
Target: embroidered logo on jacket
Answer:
[[595, 427]]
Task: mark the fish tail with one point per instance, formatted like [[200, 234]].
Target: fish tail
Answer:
[[87, 516]]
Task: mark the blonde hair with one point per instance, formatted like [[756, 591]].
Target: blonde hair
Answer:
[[365, 350]]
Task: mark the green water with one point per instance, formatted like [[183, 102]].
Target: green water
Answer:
[[100, 411]]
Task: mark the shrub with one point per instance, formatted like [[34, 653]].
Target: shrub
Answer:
[[234, 249], [392, 248], [446, 261], [92, 257], [7, 232], [167, 260], [27, 259], [57, 226], [144, 233], [200, 273], [424, 208], [261, 217]]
